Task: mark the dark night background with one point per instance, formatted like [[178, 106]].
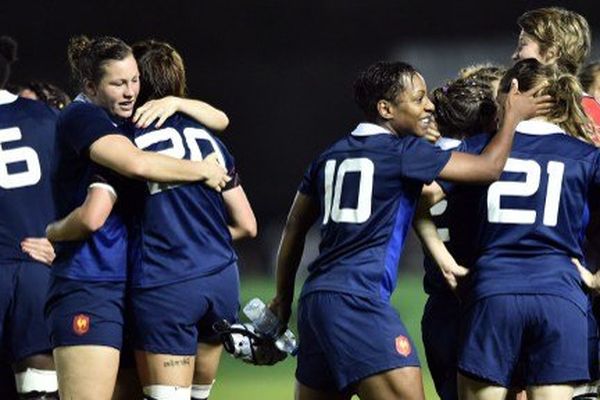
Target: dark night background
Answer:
[[282, 70]]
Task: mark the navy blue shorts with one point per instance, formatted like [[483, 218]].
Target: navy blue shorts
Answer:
[[346, 338], [85, 312], [171, 319], [542, 338], [23, 288], [439, 329]]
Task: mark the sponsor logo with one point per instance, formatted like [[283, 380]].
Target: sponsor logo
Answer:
[[403, 346], [81, 324]]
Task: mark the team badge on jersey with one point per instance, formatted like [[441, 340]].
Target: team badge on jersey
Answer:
[[81, 324], [403, 346]]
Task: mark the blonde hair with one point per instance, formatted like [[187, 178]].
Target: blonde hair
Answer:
[[565, 90], [567, 32]]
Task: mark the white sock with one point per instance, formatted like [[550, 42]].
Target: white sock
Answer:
[[164, 392], [36, 380], [201, 391]]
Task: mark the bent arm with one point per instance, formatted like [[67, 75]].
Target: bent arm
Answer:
[[161, 109], [117, 153], [487, 167], [85, 219], [242, 222]]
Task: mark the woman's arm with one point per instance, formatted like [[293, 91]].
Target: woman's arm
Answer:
[[242, 222], [119, 154], [85, 219], [428, 234], [301, 217], [487, 167], [161, 109]]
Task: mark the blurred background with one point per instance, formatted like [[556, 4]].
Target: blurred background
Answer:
[[283, 72]]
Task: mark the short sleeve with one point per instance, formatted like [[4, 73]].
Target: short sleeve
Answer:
[[421, 160], [83, 124], [308, 184]]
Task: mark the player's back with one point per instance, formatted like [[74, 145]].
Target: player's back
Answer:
[[27, 143], [182, 230], [366, 185], [533, 219]]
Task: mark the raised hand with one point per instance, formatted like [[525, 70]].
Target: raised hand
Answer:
[[590, 280], [156, 110], [527, 105]]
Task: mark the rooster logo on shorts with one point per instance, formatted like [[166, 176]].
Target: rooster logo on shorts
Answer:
[[403, 345], [81, 324]]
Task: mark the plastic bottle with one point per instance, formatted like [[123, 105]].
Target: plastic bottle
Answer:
[[268, 324]]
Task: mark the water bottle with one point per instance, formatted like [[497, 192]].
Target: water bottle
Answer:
[[268, 324]]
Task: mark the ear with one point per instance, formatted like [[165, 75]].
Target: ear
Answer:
[[384, 108], [89, 88]]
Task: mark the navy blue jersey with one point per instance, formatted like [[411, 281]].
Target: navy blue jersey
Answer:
[[367, 185], [532, 221], [181, 231], [27, 140], [103, 256], [457, 227]]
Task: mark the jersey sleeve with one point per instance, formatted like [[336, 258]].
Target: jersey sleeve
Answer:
[[85, 124], [308, 184], [230, 167], [106, 179], [421, 160]]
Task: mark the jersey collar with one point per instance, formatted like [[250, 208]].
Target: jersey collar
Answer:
[[537, 127], [7, 97], [369, 129]]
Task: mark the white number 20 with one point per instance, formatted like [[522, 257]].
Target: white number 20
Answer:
[[21, 154], [333, 194], [177, 148], [529, 187]]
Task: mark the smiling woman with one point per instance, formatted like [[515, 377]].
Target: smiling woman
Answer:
[[87, 289]]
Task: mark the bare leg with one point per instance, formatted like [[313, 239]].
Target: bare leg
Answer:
[[208, 357], [401, 383], [305, 393], [550, 392], [86, 372], [471, 389], [164, 369]]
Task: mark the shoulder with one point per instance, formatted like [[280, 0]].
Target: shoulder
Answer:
[[39, 108]]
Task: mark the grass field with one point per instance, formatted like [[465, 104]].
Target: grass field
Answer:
[[237, 380]]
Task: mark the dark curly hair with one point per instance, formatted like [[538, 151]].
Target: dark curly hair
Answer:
[[464, 107], [380, 81]]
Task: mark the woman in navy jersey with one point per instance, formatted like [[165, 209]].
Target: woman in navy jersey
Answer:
[[463, 108], [27, 136], [525, 312], [184, 274], [363, 190], [85, 307]]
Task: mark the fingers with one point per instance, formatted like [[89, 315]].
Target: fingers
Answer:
[[586, 276], [460, 271], [212, 157], [536, 89], [514, 86], [40, 249]]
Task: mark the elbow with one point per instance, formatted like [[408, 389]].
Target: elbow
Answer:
[[222, 122], [249, 230], [91, 222]]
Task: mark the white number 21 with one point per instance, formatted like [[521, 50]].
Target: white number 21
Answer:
[[527, 188]]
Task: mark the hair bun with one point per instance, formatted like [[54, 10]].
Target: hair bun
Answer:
[[8, 48]]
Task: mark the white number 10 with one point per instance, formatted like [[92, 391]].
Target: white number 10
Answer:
[[333, 195], [529, 187]]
